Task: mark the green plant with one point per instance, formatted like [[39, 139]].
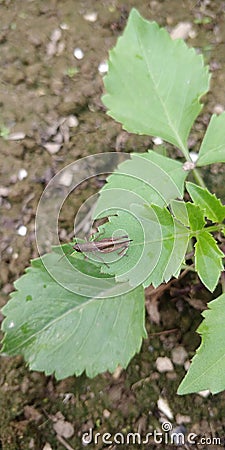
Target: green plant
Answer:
[[93, 319], [71, 71], [4, 132]]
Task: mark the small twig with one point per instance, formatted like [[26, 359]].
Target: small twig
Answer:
[[140, 382], [63, 442], [163, 332]]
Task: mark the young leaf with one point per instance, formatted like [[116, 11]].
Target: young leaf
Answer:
[[214, 210], [208, 365], [208, 260], [154, 84], [213, 145], [146, 176], [61, 332]]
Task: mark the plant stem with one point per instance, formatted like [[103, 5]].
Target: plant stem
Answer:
[[222, 280], [213, 228], [198, 178]]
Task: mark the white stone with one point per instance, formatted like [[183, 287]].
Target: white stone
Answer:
[[78, 53], [52, 147], [22, 230], [164, 364], [164, 408], [181, 31], [179, 355], [103, 67], [91, 16], [22, 174], [17, 136]]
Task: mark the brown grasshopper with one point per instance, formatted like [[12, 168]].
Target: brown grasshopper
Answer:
[[106, 245]]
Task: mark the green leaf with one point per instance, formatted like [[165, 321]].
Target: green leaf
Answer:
[[195, 216], [208, 260], [179, 210], [188, 214], [157, 249], [59, 331], [154, 84], [208, 365], [213, 145], [145, 178], [214, 210]]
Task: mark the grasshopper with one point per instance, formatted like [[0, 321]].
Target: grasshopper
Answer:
[[106, 245]]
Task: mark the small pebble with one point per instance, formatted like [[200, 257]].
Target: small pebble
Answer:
[[204, 393], [106, 413], [52, 147], [164, 408], [179, 355], [56, 35], [91, 17], [47, 446], [78, 53], [64, 26], [218, 109], [22, 174], [117, 372], [72, 121], [22, 230], [187, 365], [182, 30], [64, 428], [66, 178], [164, 364], [4, 191], [103, 67], [51, 48], [18, 136]]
